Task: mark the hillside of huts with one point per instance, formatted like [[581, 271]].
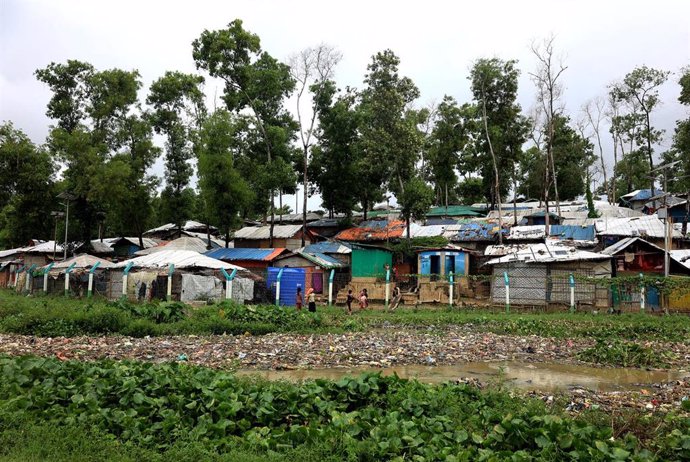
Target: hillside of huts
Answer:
[[459, 254]]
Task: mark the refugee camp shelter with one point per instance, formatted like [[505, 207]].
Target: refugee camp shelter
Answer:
[[290, 280], [648, 227], [125, 247], [637, 199], [456, 211], [252, 259], [171, 231], [79, 275], [295, 218], [42, 254], [634, 255], [538, 275], [339, 250], [317, 268], [376, 232], [326, 228], [182, 243], [577, 235], [284, 236], [442, 261], [477, 236], [370, 261], [539, 218], [196, 277]]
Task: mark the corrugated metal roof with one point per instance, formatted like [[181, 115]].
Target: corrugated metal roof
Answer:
[[322, 260], [263, 232], [456, 211], [296, 217], [45, 247], [430, 231], [377, 230], [248, 254], [542, 253], [644, 226], [182, 259], [147, 241], [328, 247], [11, 252], [505, 249]]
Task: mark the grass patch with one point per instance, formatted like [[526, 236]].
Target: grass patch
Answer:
[[182, 412], [615, 352]]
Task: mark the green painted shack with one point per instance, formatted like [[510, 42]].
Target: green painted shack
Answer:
[[370, 261]]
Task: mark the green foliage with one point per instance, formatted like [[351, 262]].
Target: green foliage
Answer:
[[369, 417], [616, 352], [26, 188], [494, 85]]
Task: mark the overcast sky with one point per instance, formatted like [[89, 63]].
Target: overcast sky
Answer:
[[436, 41]]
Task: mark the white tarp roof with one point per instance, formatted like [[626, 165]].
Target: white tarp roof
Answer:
[[543, 253], [682, 256], [522, 233], [263, 232], [45, 247], [643, 226], [183, 243], [10, 252], [182, 259], [83, 261], [190, 224]]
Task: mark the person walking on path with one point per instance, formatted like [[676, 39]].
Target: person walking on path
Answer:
[[298, 299], [311, 297]]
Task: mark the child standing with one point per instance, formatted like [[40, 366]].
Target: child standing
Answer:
[[298, 299], [350, 299], [311, 297]]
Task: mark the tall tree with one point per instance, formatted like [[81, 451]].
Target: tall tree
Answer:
[[256, 82], [680, 150], [178, 106], [595, 113], [92, 109], [640, 89], [334, 160], [447, 141], [223, 191], [504, 129], [26, 188], [390, 139], [311, 69]]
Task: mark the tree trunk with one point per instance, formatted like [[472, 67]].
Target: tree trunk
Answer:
[[208, 237], [497, 179], [304, 201], [649, 153]]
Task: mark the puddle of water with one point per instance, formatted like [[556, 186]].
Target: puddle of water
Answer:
[[537, 376]]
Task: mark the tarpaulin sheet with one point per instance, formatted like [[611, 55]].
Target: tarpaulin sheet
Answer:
[[242, 289], [198, 287]]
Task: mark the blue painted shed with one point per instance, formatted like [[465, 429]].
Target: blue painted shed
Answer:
[[290, 280], [443, 261]]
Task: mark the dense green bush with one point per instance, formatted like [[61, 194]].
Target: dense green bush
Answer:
[[369, 417]]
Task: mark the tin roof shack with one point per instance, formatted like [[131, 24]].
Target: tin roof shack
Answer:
[[539, 218], [183, 243], [680, 216], [476, 236], [648, 227], [79, 275], [327, 227], [255, 260], [376, 232], [526, 234], [42, 254], [538, 275], [634, 255], [285, 236], [338, 250], [435, 265], [584, 236], [124, 247], [637, 199], [368, 271], [196, 277], [317, 268], [456, 211]]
